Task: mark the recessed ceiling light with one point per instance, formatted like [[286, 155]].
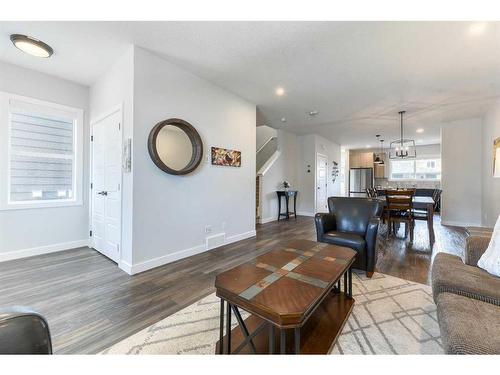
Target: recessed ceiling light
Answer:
[[280, 91], [313, 113], [367, 146], [477, 28], [283, 119], [420, 130], [31, 45]]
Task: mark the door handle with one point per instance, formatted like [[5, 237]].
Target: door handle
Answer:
[[103, 193]]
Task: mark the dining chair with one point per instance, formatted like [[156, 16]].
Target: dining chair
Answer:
[[399, 209]]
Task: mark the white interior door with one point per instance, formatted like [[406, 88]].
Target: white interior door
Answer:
[[106, 185], [321, 183]]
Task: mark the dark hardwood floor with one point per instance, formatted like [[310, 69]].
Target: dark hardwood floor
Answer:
[[91, 304]]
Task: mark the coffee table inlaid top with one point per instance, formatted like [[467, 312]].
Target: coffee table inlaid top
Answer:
[[285, 285]]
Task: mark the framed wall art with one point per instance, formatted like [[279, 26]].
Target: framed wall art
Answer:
[[226, 157]]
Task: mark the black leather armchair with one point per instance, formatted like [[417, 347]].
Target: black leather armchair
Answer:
[[353, 223], [23, 331]]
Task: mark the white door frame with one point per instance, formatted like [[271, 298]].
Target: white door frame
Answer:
[[102, 116], [316, 180]]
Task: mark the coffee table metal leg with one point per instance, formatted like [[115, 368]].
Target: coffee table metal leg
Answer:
[[283, 341], [350, 282], [221, 327], [345, 283], [228, 328], [271, 338], [297, 340]]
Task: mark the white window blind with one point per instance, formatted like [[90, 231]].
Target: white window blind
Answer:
[[42, 155]]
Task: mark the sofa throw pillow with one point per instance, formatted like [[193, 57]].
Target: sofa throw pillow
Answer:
[[490, 260]]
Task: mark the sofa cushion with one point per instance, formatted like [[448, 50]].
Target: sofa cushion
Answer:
[[351, 240], [450, 274], [468, 326]]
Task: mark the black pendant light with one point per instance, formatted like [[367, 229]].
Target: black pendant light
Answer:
[[382, 152], [403, 148], [378, 159]]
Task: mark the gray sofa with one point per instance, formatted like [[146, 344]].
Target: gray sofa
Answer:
[[467, 299]]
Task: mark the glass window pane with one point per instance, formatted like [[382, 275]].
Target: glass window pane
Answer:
[[402, 169]]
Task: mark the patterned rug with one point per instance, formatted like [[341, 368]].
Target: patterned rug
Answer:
[[390, 316]]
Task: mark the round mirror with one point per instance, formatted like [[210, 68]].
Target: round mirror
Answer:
[[175, 146]]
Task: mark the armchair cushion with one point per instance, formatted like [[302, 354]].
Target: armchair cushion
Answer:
[[351, 240]]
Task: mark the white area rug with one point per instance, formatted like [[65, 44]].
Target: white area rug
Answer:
[[390, 316]]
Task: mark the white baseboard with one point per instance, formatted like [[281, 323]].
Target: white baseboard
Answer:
[[459, 223], [267, 220], [24, 253], [305, 213], [133, 269]]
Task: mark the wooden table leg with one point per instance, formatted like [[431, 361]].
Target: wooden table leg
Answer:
[[430, 223], [287, 212]]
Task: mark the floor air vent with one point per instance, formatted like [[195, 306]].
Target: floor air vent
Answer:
[[215, 241]]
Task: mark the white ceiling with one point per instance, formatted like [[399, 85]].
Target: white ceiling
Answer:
[[356, 74]]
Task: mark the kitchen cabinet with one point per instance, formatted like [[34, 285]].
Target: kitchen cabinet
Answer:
[[361, 160]]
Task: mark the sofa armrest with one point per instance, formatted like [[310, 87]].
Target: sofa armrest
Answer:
[[371, 243], [324, 223], [475, 247]]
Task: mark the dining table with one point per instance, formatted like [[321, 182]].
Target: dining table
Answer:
[[422, 203]]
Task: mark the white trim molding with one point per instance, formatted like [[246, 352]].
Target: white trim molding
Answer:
[[25, 253], [460, 224], [146, 265]]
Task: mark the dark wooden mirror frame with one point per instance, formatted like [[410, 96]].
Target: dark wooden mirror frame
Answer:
[[194, 137]]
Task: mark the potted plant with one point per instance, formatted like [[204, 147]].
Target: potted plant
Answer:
[[286, 185]]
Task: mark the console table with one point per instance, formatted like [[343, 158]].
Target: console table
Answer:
[[287, 194]]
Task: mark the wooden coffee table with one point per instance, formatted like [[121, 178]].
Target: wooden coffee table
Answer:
[[294, 288]]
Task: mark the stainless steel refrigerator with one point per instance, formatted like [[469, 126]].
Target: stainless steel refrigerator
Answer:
[[360, 179]]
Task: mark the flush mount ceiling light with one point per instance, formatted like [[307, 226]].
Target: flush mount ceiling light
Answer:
[[283, 119], [420, 130], [280, 91], [31, 45], [403, 148], [313, 113]]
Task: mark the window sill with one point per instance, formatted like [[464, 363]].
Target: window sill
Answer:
[[32, 206]]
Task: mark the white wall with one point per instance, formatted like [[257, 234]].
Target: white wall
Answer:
[[284, 168], [332, 152], [170, 212], [26, 232], [461, 160], [115, 87], [490, 185], [306, 170]]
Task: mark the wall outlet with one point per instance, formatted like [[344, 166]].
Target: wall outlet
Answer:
[[208, 229]]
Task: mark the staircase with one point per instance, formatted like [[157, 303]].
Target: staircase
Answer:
[[267, 153]]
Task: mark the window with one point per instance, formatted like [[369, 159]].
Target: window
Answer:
[[44, 154], [417, 169]]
